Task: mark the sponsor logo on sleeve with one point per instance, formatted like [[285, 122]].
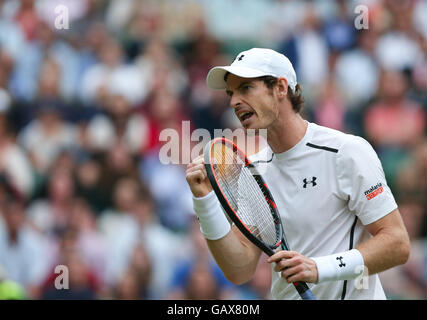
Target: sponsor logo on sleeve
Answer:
[[373, 191]]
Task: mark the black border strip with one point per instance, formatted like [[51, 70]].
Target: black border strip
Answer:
[[308, 144], [344, 288]]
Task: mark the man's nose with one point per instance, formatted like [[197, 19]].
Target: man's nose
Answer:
[[235, 101]]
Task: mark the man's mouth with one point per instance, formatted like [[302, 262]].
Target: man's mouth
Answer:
[[245, 116]]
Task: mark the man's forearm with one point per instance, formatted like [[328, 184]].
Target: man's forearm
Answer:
[[389, 245], [385, 250], [235, 255]]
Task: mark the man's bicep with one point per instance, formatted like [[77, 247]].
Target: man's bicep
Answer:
[[391, 222]]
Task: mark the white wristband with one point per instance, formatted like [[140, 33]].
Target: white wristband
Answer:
[[339, 266], [213, 223]]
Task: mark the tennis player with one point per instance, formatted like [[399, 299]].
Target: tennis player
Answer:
[[338, 213]]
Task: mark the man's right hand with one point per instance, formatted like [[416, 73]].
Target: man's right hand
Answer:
[[197, 178]]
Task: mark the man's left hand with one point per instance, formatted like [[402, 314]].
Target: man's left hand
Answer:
[[294, 267]]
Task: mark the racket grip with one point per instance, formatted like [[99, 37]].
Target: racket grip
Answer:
[[304, 291]]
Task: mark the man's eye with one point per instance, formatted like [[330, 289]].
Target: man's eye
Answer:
[[245, 87]]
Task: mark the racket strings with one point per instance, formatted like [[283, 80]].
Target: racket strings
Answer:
[[244, 194], [252, 209], [242, 204]]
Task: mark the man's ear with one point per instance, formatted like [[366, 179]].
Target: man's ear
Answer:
[[282, 87]]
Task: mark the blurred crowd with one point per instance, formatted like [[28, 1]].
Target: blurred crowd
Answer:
[[82, 109]]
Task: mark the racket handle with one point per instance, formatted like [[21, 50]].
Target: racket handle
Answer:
[[304, 291]]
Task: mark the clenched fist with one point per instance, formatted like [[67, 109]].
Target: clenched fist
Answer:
[[197, 178]]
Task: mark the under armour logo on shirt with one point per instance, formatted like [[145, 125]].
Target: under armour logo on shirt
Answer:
[[313, 182], [342, 264]]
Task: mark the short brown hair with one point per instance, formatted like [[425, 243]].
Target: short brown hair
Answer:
[[295, 96]]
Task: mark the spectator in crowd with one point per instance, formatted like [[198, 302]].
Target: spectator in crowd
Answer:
[[173, 209], [50, 215], [89, 241], [10, 290], [112, 74], [49, 80], [394, 124], [7, 66], [160, 67], [116, 163], [164, 110], [29, 64], [23, 252], [165, 114], [128, 287], [88, 183], [394, 120], [418, 92], [197, 276], [119, 229], [330, 109], [12, 37], [201, 284], [206, 107], [411, 182], [28, 19], [125, 196], [14, 163], [134, 282], [313, 54], [339, 30], [398, 48], [163, 246], [79, 280], [118, 125], [47, 135], [359, 61], [130, 223]]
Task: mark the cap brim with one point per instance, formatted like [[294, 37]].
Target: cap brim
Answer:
[[215, 77]]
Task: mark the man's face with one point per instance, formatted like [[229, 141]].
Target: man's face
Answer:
[[254, 104]]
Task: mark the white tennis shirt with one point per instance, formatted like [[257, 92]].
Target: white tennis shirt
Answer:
[[327, 187]]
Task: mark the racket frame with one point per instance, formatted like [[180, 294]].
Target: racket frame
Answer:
[[268, 249], [301, 287]]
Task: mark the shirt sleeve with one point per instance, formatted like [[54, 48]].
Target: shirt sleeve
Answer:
[[362, 182]]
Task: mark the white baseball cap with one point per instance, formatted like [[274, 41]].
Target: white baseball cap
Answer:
[[253, 63]]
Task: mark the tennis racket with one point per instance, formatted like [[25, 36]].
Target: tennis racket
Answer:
[[246, 199]]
